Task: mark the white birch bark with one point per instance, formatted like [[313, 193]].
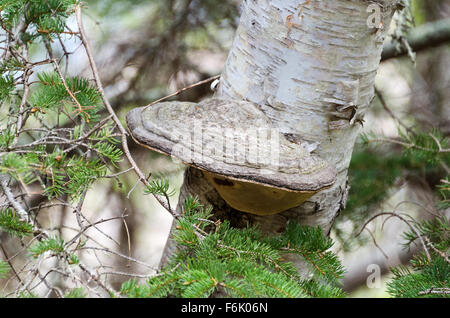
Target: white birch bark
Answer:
[[311, 67]]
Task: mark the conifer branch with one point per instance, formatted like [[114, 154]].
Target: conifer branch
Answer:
[[111, 111]]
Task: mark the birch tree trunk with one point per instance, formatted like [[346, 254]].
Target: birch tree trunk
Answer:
[[311, 66]]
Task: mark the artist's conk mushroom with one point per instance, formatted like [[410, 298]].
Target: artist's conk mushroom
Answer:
[[252, 165]]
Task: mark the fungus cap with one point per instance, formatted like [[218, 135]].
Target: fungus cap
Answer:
[[250, 163]]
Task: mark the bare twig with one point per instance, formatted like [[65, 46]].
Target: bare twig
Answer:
[[127, 274], [8, 260], [404, 220], [439, 291], [128, 238], [10, 196], [409, 145], [26, 91], [84, 229], [376, 244], [178, 92], [118, 254], [388, 110]]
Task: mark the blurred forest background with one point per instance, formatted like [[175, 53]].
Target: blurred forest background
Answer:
[[147, 49]]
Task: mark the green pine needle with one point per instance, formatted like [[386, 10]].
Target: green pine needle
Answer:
[[159, 187], [52, 244], [230, 262], [76, 293], [11, 224], [4, 269], [421, 283]]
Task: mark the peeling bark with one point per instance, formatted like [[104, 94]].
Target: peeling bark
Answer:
[[310, 65]]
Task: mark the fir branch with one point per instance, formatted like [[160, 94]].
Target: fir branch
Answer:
[[12, 224], [53, 244], [407, 283], [234, 262]]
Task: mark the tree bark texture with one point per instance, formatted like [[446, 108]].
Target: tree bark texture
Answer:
[[310, 66]]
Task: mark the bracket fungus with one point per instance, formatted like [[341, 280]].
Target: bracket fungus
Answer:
[[253, 167]]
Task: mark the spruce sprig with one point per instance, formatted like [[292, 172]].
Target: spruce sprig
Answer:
[[159, 187], [429, 281], [230, 262], [51, 94], [51, 244], [13, 225], [4, 269]]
